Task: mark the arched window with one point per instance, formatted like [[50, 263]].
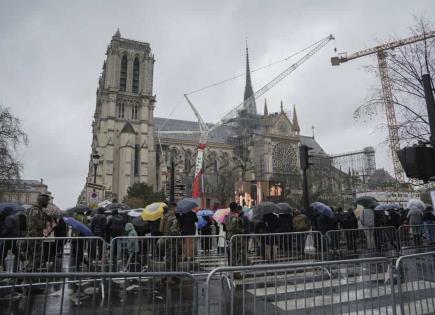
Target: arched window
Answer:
[[136, 69], [123, 74]]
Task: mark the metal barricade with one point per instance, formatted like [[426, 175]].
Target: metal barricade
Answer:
[[416, 283], [415, 239], [252, 249], [360, 243], [195, 254], [98, 293], [359, 286], [52, 254]]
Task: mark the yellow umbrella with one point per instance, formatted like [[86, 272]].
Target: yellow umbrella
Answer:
[[153, 211]]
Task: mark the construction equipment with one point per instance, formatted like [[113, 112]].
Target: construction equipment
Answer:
[[381, 52], [206, 130]]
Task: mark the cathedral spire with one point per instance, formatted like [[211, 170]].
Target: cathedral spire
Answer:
[[295, 123], [249, 106], [266, 112], [117, 34]]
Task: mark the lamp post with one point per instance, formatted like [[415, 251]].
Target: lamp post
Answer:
[[95, 161]]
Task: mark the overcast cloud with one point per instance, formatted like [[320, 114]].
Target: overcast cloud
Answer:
[[52, 53]]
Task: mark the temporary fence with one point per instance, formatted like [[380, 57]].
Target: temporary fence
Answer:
[[364, 242], [194, 254], [52, 254], [416, 275], [252, 249], [102, 293], [416, 238], [359, 286]]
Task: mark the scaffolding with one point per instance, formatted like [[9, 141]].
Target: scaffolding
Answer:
[[360, 163]]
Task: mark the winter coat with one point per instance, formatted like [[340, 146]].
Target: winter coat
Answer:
[[428, 217], [115, 226], [367, 218], [99, 225], [187, 223], [133, 244], [348, 220], [271, 222], [325, 223], [10, 226], [154, 227], [60, 230], [285, 223]]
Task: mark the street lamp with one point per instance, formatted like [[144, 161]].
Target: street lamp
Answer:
[[95, 161]]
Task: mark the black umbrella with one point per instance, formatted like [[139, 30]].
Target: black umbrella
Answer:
[[264, 208], [367, 202], [16, 207], [82, 208], [117, 206], [284, 208]]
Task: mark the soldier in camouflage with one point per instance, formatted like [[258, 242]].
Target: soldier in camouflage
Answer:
[[37, 221], [236, 224], [169, 226]]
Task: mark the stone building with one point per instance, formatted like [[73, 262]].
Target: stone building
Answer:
[[24, 191], [252, 157]]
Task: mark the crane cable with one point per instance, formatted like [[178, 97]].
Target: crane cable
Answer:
[[252, 71]]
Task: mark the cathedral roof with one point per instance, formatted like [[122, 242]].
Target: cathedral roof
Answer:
[[312, 143], [218, 135], [128, 128]]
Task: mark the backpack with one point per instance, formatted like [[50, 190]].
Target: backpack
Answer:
[[301, 223], [116, 226], [233, 225]]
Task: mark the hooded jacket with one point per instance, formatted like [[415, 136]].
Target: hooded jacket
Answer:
[[133, 244]]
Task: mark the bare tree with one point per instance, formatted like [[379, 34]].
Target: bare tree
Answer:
[[406, 65], [11, 136]]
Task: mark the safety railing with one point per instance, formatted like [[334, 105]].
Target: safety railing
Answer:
[[98, 293], [252, 249], [416, 276], [361, 243], [416, 238], [358, 286], [52, 254], [195, 254]]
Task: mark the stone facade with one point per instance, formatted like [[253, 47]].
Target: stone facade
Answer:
[[254, 156], [24, 191]]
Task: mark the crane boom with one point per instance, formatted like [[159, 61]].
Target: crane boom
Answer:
[[393, 128], [335, 61], [231, 114]]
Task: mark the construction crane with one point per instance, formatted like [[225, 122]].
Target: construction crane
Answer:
[[206, 130], [381, 52]]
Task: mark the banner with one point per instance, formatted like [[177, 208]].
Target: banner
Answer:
[[198, 171]]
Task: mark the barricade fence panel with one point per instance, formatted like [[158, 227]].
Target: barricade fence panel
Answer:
[[416, 275], [252, 249], [416, 238], [194, 254], [52, 254], [360, 286], [360, 243], [98, 293]]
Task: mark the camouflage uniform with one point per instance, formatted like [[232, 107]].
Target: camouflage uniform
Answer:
[[234, 226], [32, 252], [170, 246]]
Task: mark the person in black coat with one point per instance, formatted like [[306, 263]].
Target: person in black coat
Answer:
[[99, 228], [187, 226]]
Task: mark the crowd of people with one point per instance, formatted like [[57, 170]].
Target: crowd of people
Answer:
[[37, 222]]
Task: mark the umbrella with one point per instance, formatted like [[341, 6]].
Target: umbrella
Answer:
[[83, 208], [135, 212], [53, 210], [284, 208], [154, 211], [78, 226], [104, 203], [367, 202], [416, 204], [219, 215], [264, 208], [201, 222], [186, 205], [323, 209], [205, 213], [387, 207], [118, 206], [16, 207]]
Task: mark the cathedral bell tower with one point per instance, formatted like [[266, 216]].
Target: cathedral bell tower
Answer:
[[123, 119]]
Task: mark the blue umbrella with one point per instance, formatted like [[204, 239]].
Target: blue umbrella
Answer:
[[323, 209], [205, 213], [16, 207], [185, 205], [201, 222], [78, 226]]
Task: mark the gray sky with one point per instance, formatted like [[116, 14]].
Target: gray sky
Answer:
[[52, 53]]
